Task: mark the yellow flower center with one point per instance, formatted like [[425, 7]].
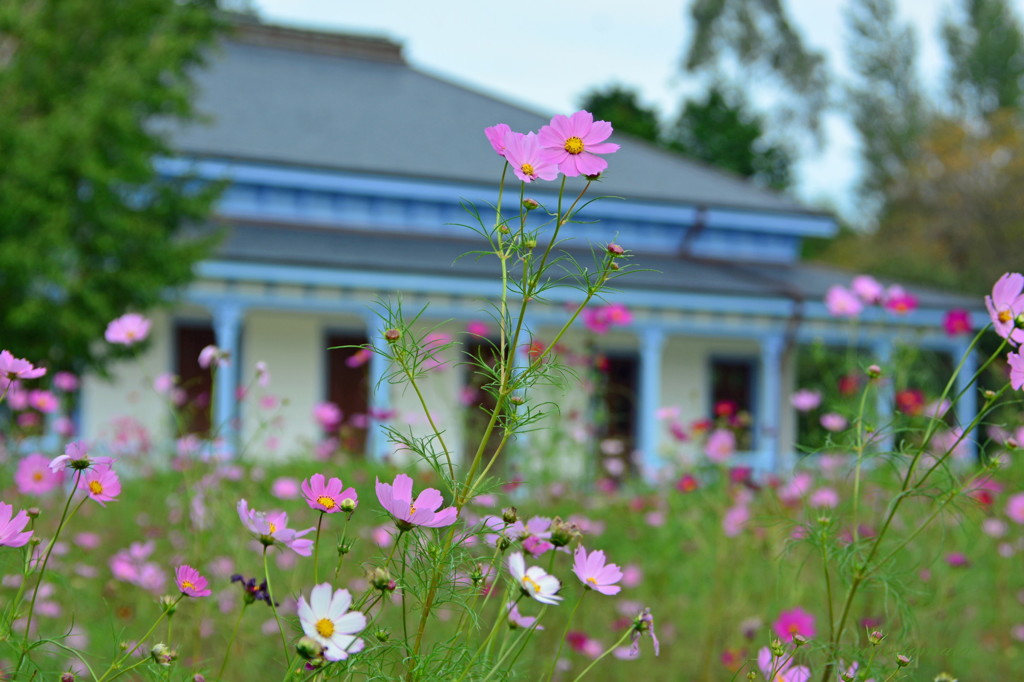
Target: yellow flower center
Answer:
[[37, 476], [412, 510], [187, 585], [530, 582], [325, 626], [130, 334], [273, 528], [326, 501], [527, 169], [1005, 316], [95, 487], [574, 145], [592, 580]]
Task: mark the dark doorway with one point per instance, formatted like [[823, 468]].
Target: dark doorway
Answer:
[[197, 383], [348, 387]]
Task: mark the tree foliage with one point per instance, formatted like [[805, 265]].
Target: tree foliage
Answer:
[[88, 228], [986, 50], [621, 105]]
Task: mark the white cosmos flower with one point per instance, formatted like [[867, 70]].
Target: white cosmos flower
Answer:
[[327, 620], [534, 581]]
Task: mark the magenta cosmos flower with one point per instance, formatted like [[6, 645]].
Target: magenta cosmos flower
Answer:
[[805, 399], [957, 321], [127, 330], [272, 528], [16, 369], [528, 162], [34, 476], [841, 303], [101, 484], [794, 622], [594, 573], [190, 582], [1005, 304], [12, 526], [573, 143], [496, 135], [76, 456], [329, 497], [397, 499], [1016, 362]]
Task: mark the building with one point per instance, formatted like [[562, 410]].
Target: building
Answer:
[[347, 169]]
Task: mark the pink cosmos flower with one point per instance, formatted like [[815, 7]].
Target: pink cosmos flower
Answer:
[[867, 288], [805, 399], [327, 415], [329, 497], [594, 573], [397, 499], [359, 358], [1005, 304], [12, 526], [212, 356], [65, 381], [735, 520], [190, 582], [101, 484], [721, 444], [1015, 508], [643, 623], [477, 328], [899, 301], [524, 155], [842, 303], [1016, 362], [496, 135], [127, 330], [957, 321], [44, 401], [272, 528], [518, 620], [824, 498], [285, 488], [781, 671], [16, 369], [794, 622], [833, 421], [76, 456], [34, 477], [573, 143]]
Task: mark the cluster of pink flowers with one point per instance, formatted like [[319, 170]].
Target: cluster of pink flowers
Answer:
[[864, 291], [570, 145]]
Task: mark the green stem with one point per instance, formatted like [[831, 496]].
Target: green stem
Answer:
[[607, 651], [123, 657], [516, 646], [273, 607], [565, 632], [231, 641], [316, 551]]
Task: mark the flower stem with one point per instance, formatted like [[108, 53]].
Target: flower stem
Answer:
[[606, 652], [123, 657], [273, 607], [231, 642], [565, 632], [316, 551]]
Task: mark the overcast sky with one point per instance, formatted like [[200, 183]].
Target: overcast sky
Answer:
[[544, 54]]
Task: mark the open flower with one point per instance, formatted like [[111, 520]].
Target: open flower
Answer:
[[594, 573], [573, 142], [272, 528], [101, 484], [794, 622], [16, 369], [397, 499], [841, 303], [34, 476], [326, 619], [534, 581], [127, 330], [329, 497], [496, 135], [190, 582], [1005, 304], [781, 671], [12, 526], [523, 153], [518, 620]]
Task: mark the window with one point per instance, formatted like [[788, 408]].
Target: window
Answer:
[[732, 397], [616, 406], [196, 382], [348, 387]]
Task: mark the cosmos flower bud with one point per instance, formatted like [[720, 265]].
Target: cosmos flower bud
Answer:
[[530, 204], [530, 243], [381, 580], [348, 505], [874, 371], [845, 676], [593, 177], [344, 547], [392, 335], [163, 654], [168, 604], [382, 635], [1018, 321], [33, 512], [509, 515], [777, 649], [615, 250], [989, 394], [198, 677], [876, 637], [562, 532], [503, 229], [613, 266], [67, 677], [751, 675], [517, 399], [309, 649], [902, 660], [477, 575], [799, 640]]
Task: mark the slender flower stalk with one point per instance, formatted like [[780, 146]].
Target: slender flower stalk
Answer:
[[164, 613], [565, 632], [607, 651], [273, 607]]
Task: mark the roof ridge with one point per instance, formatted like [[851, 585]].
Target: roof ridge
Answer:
[[251, 30]]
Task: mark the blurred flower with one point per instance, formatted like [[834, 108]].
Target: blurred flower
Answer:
[[910, 401], [534, 581], [16, 369], [957, 559], [518, 620], [328, 496], [841, 303], [190, 582], [899, 301], [805, 399], [833, 421], [957, 321], [397, 499], [735, 519], [285, 488], [781, 670], [687, 483], [212, 356], [326, 619], [594, 573], [477, 328], [574, 141], [34, 476], [327, 415], [359, 358], [824, 498], [721, 444], [1016, 363], [65, 381], [794, 622], [12, 526], [643, 624], [868, 289], [127, 330], [1015, 508]]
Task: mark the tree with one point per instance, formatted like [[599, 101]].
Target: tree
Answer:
[[884, 97], [720, 131], [621, 106], [986, 48], [761, 39], [88, 228]]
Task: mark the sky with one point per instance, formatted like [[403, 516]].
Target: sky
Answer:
[[545, 54]]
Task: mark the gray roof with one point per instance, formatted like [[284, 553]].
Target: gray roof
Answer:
[[342, 102]]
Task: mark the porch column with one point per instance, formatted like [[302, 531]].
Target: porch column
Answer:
[[227, 326], [769, 412], [882, 351], [652, 342], [967, 406], [377, 444]]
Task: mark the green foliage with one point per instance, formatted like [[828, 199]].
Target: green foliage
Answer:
[[88, 227], [986, 47], [619, 104], [721, 131]]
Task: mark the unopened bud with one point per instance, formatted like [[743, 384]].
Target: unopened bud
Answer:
[[33, 512], [874, 371], [163, 654], [593, 177], [509, 515], [168, 604], [344, 547], [1018, 321], [945, 677], [503, 543], [845, 676], [67, 677], [382, 635], [876, 637], [198, 677], [613, 266], [799, 640], [381, 580], [562, 532], [902, 660], [34, 541], [392, 335], [517, 399], [530, 243], [615, 250], [752, 675], [776, 648], [530, 204], [309, 649], [348, 505], [503, 229]]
